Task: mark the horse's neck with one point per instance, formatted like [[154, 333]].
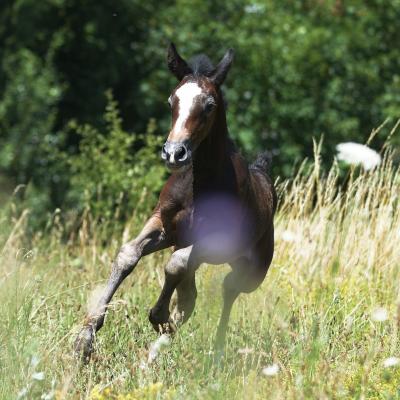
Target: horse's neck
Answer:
[[211, 157]]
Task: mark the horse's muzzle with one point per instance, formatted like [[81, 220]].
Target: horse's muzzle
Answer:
[[176, 154]]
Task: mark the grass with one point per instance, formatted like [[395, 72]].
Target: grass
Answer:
[[314, 319]]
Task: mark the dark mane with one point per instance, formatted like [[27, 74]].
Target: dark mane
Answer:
[[201, 65]]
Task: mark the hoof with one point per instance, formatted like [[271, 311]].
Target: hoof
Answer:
[[84, 344], [178, 317], [219, 350], [219, 357], [161, 323]]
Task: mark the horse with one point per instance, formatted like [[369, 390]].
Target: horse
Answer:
[[214, 208]]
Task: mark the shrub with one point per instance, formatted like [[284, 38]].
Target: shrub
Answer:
[[115, 172]]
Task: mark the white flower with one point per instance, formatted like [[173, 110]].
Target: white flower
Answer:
[[34, 361], [355, 153], [391, 362], [215, 386], [48, 396], [271, 370], [38, 376], [380, 314], [288, 236], [245, 351], [22, 393], [155, 348], [143, 366]]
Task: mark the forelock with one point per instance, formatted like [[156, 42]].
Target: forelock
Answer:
[[201, 65]]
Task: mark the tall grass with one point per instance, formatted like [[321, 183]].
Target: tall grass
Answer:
[[324, 323]]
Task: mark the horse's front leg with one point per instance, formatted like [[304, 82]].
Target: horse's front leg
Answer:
[[181, 267], [152, 238]]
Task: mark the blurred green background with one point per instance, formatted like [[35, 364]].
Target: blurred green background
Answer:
[[84, 87]]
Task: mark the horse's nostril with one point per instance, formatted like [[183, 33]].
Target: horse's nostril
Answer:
[[181, 153], [174, 153]]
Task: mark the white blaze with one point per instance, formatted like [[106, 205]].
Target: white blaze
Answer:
[[186, 95]]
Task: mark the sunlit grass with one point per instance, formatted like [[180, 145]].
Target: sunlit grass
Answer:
[[324, 324]]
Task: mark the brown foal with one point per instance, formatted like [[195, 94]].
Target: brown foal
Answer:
[[214, 208]]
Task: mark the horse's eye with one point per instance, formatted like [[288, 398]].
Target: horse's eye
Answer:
[[209, 107]]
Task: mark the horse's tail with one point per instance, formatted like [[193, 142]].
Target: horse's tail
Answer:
[[263, 162]]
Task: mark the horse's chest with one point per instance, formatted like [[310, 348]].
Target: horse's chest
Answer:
[[212, 211], [217, 218]]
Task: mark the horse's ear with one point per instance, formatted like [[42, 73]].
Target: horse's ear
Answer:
[[221, 70], [176, 64]]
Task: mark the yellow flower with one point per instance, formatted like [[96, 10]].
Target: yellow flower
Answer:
[[95, 394], [149, 392]]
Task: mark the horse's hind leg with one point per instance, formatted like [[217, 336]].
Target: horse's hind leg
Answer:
[[181, 266], [244, 277], [149, 240], [230, 294], [247, 274], [187, 294]]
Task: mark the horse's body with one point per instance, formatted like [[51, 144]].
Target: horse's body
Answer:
[[214, 208]]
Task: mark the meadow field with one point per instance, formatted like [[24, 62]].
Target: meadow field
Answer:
[[323, 325]]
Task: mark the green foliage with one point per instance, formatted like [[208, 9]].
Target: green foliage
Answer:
[[27, 115], [301, 69], [109, 177]]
